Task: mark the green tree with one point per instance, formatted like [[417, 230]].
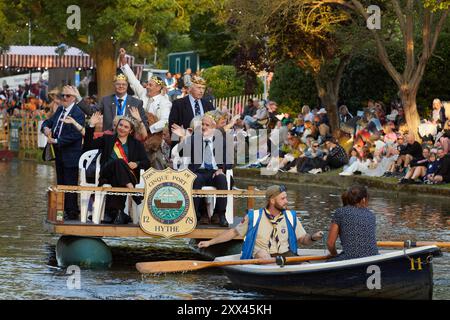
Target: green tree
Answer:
[[106, 26], [416, 25], [318, 38], [225, 81], [292, 87]]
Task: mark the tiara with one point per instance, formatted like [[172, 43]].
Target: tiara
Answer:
[[127, 118], [120, 77]]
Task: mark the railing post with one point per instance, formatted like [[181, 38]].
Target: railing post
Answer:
[[250, 200]]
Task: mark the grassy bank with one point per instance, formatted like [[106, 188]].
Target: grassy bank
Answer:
[[333, 179]]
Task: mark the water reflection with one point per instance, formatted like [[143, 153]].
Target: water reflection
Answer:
[[28, 264]]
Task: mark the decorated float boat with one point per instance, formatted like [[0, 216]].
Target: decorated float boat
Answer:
[[167, 211]]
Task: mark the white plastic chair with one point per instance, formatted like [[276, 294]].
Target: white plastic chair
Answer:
[[84, 163], [136, 210], [211, 201]]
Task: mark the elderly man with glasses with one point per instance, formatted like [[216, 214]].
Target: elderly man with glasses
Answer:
[[270, 231], [119, 104], [66, 141]]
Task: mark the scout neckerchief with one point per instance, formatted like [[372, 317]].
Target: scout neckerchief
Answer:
[[121, 107], [119, 151], [274, 238]]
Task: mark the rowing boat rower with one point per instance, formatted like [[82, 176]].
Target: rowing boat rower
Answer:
[[270, 231]]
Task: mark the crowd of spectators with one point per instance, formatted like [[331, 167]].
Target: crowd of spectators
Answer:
[[374, 142]]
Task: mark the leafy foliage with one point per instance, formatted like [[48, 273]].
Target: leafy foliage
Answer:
[[292, 87], [225, 81]]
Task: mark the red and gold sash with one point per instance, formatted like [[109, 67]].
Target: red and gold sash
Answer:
[[120, 153]]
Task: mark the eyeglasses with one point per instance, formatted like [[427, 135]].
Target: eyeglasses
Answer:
[[283, 188], [315, 146]]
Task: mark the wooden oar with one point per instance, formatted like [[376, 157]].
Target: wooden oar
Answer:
[[191, 265], [412, 244]]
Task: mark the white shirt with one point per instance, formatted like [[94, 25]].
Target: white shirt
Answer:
[[213, 162], [62, 116], [192, 100], [160, 105]]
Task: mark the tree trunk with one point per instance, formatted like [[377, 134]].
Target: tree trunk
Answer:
[[104, 56], [408, 97], [329, 100]]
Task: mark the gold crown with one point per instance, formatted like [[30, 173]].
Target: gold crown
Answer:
[[158, 81], [215, 114], [198, 80], [120, 76]]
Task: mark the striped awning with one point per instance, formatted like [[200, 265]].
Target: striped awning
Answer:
[[46, 57]]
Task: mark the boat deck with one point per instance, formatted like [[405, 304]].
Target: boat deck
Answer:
[[75, 228]]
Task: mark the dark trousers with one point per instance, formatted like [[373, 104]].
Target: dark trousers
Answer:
[[69, 177], [204, 178], [117, 174]]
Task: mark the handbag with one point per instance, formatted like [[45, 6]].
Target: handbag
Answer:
[[49, 152]]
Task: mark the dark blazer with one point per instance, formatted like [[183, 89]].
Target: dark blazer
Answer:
[[182, 114], [108, 108], [194, 153], [68, 150], [136, 151]]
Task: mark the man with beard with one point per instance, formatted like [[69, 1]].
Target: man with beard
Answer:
[[270, 231]]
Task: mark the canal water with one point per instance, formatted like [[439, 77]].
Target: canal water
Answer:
[[28, 267]]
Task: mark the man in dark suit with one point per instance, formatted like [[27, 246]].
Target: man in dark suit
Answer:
[[185, 109], [207, 150], [118, 104], [66, 140]]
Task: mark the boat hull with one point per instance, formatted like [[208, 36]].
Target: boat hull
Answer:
[[397, 280]]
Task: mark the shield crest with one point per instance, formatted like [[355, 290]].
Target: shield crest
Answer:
[[168, 207]]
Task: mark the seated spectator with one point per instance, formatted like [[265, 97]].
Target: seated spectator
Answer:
[[443, 173], [122, 157], [307, 114], [292, 153], [311, 159], [336, 157], [344, 114], [251, 108], [438, 113], [418, 168], [299, 126], [432, 168], [443, 138], [427, 130], [256, 121], [323, 117], [360, 165], [308, 132], [354, 156], [412, 150]]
